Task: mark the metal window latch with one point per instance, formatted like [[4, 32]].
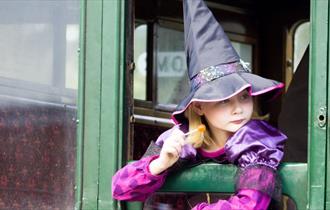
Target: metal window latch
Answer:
[[322, 116], [131, 66]]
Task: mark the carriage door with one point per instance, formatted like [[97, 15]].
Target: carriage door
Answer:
[[318, 156]]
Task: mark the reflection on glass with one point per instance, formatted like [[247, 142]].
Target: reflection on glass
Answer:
[[301, 41], [140, 60], [39, 43], [27, 49], [71, 61], [172, 78], [38, 88], [245, 51]]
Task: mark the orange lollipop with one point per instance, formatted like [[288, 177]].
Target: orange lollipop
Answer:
[[201, 128]]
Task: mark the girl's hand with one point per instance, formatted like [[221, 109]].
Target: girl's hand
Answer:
[[169, 154]]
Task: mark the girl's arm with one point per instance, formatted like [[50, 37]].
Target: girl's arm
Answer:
[[134, 182], [138, 180], [243, 200]]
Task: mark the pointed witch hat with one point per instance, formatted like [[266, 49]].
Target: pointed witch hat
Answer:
[[215, 70]]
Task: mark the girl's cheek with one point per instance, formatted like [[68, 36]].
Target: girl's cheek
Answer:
[[250, 110]]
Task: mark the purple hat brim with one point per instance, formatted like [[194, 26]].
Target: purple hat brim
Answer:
[[226, 87]]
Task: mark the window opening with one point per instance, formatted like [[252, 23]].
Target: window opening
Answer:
[[140, 60], [301, 41]]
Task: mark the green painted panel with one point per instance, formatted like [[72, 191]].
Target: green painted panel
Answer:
[[111, 99], [134, 205], [203, 178], [92, 97], [100, 102], [294, 182], [317, 100], [212, 177], [80, 117], [327, 196]]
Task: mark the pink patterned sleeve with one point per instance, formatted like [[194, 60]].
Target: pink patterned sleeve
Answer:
[[134, 182], [243, 200]]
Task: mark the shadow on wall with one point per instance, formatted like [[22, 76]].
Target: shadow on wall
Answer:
[[293, 119]]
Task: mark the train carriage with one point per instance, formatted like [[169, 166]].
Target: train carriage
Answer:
[[85, 85]]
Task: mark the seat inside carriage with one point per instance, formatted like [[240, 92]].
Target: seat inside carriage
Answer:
[[38, 154]]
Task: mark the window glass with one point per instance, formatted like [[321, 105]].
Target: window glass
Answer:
[[245, 51], [172, 77], [301, 41], [71, 61], [38, 89], [140, 60], [39, 42], [27, 48]]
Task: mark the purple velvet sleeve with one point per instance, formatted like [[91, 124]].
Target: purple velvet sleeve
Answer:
[[134, 182], [243, 199]]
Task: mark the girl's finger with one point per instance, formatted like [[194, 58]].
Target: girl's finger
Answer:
[[181, 141], [178, 147], [172, 151], [178, 134]]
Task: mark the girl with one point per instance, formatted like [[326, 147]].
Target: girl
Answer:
[[221, 98]]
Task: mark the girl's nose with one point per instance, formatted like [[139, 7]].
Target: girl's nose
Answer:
[[237, 108]]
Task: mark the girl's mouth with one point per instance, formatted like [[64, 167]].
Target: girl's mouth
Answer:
[[237, 121]]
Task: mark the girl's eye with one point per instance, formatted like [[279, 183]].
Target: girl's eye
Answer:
[[245, 96], [224, 101]]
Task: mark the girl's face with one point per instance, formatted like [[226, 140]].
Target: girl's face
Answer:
[[228, 115]]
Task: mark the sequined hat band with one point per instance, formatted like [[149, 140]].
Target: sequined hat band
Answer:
[[214, 72]]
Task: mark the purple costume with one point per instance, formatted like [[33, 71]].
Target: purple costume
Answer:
[[256, 148]]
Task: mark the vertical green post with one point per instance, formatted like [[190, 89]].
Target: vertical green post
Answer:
[[317, 103], [89, 106], [80, 111], [327, 204], [113, 67], [92, 96], [101, 93]]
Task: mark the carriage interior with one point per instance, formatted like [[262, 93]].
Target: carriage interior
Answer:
[[272, 36]]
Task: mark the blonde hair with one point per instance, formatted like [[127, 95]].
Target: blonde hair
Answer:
[[197, 139]]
